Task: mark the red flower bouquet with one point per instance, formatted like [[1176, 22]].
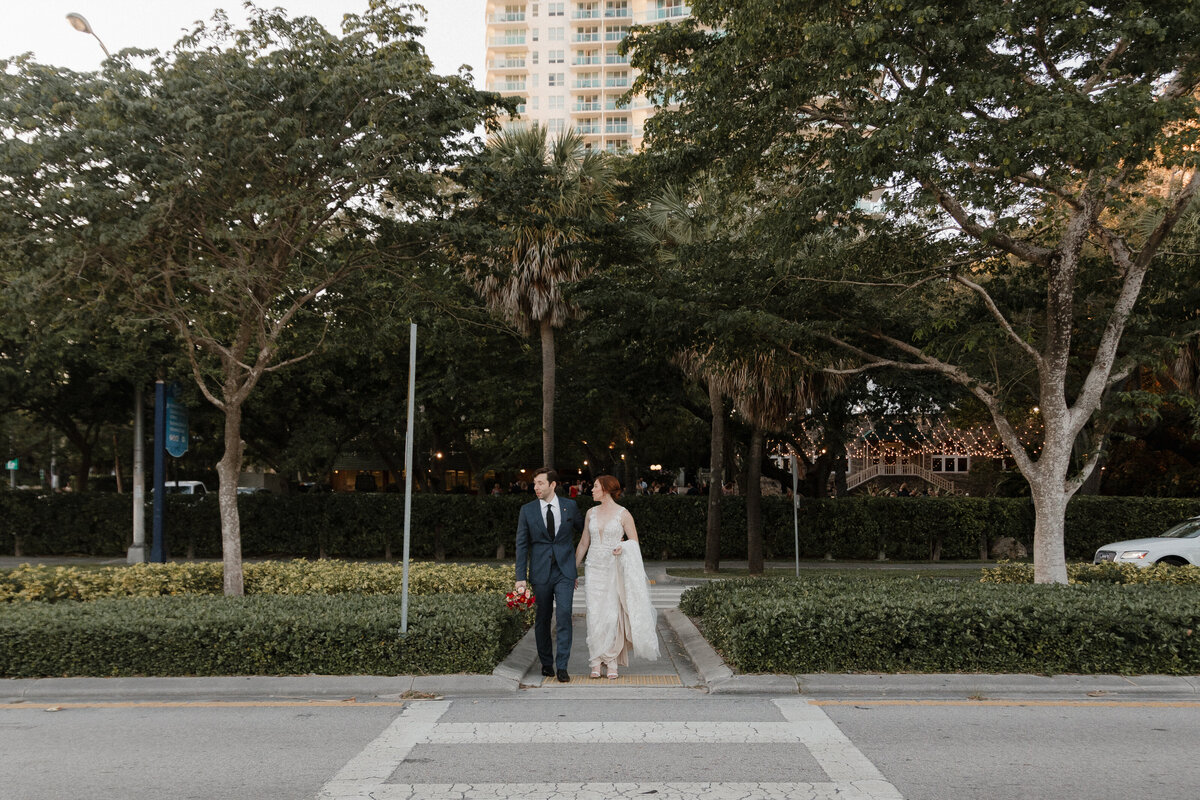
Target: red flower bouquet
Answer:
[[519, 601]]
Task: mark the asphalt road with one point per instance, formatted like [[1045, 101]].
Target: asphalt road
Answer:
[[572, 743]]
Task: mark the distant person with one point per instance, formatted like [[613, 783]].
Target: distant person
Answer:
[[620, 617], [903, 491]]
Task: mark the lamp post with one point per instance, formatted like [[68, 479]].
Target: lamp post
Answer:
[[137, 551], [80, 23]]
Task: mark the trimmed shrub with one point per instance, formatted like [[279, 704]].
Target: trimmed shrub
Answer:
[[269, 635], [299, 577], [1009, 572], [826, 624]]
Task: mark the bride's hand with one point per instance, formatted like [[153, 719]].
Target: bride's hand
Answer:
[[617, 550]]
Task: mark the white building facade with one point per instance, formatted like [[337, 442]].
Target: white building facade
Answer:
[[561, 59]]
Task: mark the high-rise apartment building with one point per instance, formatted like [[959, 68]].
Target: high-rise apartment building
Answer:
[[561, 59]]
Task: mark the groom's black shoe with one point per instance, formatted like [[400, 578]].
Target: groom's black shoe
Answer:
[[563, 677], [547, 671]]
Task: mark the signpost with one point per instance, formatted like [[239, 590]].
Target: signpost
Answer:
[[170, 436], [12, 465]]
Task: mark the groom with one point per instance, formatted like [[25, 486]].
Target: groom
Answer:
[[546, 548]]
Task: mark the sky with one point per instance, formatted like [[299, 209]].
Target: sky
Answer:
[[454, 35]]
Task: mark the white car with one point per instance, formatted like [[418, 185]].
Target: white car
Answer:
[[1177, 547], [186, 487]]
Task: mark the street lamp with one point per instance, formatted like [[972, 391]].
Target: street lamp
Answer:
[[80, 23]]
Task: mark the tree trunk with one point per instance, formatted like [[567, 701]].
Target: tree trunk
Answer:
[[716, 464], [229, 468], [754, 534], [1049, 528], [547, 394]]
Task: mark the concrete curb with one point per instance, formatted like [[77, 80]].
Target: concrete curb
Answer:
[[363, 688], [519, 661], [713, 670]]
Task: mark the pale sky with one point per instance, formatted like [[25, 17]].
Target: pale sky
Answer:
[[454, 36]]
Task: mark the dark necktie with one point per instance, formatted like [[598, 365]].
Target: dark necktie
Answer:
[[550, 519]]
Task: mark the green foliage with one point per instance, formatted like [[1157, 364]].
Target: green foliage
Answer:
[[228, 191], [473, 527], [299, 577], [1005, 144], [914, 625], [269, 635], [1008, 572]]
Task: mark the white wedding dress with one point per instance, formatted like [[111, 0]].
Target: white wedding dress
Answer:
[[620, 616]]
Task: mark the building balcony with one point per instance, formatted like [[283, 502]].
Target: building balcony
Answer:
[[585, 37], [588, 129], [586, 83], [507, 41], [618, 13], [497, 64], [617, 130], [589, 60], [594, 13], [616, 83], [615, 36], [506, 18], [585, 108], [506, 86], [615, 58], [665, 14]]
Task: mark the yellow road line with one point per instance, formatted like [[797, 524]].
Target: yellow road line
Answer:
[[1099, 702], [351, 703]]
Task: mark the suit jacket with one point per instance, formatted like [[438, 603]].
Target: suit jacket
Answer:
[[537, 547]]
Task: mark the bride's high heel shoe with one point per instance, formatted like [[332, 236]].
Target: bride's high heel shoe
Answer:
[[596, 671], [612, 672]]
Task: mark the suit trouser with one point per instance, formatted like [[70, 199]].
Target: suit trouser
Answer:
[[559, 592]]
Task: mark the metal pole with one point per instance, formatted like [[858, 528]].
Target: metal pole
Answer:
[[137, 553], [408, 471], [157, 550], [796, 509]]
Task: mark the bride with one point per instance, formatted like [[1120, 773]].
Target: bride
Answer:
[[620, 617]]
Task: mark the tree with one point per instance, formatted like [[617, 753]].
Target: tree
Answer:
[[683, 225], [1007, 136], [234, 183], [538, 203]]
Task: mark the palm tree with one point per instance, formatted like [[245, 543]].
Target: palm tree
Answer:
[[547, 196], [675, 219]]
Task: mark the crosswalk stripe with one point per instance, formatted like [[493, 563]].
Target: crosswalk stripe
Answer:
[[851, 775], [369, 769], [606, 791], [616, 732]]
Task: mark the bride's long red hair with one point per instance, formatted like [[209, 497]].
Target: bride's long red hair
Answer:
[[610, 485]]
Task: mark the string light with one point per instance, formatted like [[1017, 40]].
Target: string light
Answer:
[[924, 438]]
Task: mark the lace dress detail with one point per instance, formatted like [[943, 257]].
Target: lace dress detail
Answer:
[[620, 616]]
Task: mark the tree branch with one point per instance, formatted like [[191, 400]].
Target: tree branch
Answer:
[[1022, 250], [998, 315]]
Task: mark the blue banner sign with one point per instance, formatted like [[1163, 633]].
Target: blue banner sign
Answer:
[[177, 421]]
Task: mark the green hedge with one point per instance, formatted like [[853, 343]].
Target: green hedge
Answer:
[[825, 624], [267, 635], [466, 526], [58, 583], [1108, 572]]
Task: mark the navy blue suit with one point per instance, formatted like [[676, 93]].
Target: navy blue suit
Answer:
[[549, 560]]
